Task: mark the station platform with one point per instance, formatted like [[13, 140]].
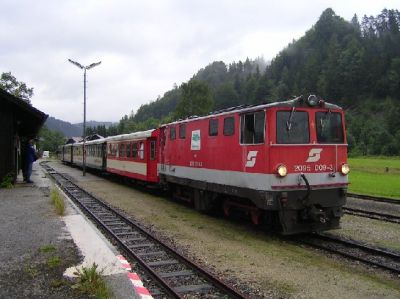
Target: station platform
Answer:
[[40, 251]]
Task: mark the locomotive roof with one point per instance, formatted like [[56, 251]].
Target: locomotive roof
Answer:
[[298, 102], [131, 136]]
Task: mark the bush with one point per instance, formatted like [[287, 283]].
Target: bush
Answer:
[[7, 181]]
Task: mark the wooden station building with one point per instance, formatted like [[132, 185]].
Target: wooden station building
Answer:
[[19, 121]]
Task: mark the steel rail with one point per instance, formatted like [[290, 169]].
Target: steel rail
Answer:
[[364, 253], [372, 215], [375, 198], [212, 279]]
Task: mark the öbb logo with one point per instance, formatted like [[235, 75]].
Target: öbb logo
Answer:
[[251, 158], [314, 155]]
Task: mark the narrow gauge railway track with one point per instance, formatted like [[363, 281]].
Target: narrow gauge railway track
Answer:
[[377, 257], [372, 215], [375, 198], [175, 275]]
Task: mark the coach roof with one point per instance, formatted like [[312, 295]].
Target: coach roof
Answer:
[[131, 136]]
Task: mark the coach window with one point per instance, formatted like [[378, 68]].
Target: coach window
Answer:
[[182, 131], [141, 150], [229, 126], [252, 128], [152, 150], [172, 133], [213, 127], [292, 127], [128, 150], [134, 150], [122, 150]]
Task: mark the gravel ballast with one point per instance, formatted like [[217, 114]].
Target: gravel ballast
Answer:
[[268, 264]]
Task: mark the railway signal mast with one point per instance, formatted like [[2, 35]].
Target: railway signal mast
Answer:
[[84, 68]]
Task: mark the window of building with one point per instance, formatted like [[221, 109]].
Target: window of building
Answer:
[[213, 127], [252, 128], [229, 126], [182, 131]]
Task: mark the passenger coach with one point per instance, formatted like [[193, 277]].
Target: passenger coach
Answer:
[[134, 155]]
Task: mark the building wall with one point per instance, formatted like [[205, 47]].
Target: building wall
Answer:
[[7, 141]]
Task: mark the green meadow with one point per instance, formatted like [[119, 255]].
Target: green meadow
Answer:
[[375, 176]]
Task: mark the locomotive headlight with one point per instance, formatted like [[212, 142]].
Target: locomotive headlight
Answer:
[[345, 169], [281, 170], [312, 100]]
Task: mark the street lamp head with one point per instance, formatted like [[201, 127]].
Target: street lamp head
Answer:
[[76, 63], [93, 65]]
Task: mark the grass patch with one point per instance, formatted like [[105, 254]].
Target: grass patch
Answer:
[[91, 282], [57, 283], [375, 176], [54, 261], [57, 201], [47, 248], [31, 271]]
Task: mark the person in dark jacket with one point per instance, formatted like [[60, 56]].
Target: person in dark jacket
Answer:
[[30, 157]]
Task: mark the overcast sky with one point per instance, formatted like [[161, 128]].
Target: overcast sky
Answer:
[[144, 46]]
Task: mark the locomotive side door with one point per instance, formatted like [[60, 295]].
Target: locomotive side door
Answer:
[[162, 149]]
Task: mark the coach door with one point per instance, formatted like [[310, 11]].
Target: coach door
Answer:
[[152, 160]]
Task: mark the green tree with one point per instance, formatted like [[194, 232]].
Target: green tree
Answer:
[[50, 140], [19, 89], [225, 96], [196, 99]]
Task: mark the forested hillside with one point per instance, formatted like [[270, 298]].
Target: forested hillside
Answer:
[[355, 64]]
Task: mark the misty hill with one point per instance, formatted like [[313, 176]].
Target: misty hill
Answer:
[[354, 65], [94, 124], [68, 129]]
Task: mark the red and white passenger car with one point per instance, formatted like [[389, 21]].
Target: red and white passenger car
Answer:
[[134, 155]]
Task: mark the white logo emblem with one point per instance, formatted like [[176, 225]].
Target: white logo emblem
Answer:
[[251, 158], [314, 155]]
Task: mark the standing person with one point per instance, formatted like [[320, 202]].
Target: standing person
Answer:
[[30, 157]]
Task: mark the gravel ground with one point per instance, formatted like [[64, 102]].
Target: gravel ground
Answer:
[[33, 254], [370, 205], [270, 266]]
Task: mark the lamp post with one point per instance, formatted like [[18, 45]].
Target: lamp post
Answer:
[[84, 68]]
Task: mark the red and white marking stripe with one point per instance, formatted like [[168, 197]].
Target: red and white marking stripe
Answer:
[[137, 283]]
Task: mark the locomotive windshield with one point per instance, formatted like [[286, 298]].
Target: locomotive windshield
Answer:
[[292, 127], [329, 127]]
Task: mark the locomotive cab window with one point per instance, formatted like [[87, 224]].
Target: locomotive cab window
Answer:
[[172, 133], [292, 127], [329, 127], [182, 131], [213, 127], [252, 128], [229, 126]]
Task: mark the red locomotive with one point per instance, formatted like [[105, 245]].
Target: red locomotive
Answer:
[[283, 163]]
